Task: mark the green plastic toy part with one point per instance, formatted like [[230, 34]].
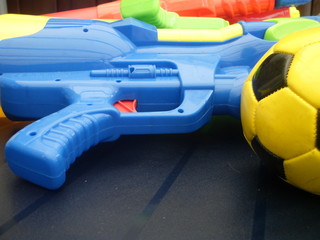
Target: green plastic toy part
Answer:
[[151, 12], [286, 26]]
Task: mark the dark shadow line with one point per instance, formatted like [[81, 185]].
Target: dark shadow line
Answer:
[[82, 165], [141, 220], [25, 212], [259, 216]]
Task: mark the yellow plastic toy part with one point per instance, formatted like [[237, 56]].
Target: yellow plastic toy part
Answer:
[[16, 25], [294, 12], [223, 34], [1, 113]]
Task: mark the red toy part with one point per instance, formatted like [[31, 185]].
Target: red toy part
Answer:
[[276, 13], [126, 105], [227, 9], [218, 8], [109, 10]]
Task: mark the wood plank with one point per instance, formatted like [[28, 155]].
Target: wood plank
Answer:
[[35, 7], [315, 7], [305, 10], [64, 5], [13, 6], [103, 1], [48, 6]]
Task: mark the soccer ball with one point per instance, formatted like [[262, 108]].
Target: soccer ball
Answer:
[[280, 109]]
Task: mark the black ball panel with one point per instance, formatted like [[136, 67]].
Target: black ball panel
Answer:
[[273, 162], [318, 131], [271, 75]]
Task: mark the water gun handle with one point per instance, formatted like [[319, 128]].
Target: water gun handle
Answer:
[[44, 150]]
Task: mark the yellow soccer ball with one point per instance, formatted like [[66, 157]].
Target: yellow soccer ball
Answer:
[[280, 109]]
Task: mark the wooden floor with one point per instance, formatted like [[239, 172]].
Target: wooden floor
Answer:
[[312, 8], [49, 6]]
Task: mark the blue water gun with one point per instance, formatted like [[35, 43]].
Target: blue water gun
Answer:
[[90, 81]]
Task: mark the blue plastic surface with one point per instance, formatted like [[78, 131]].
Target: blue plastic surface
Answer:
[[316, 18], [257, 29], [70, 74], [289, 3]]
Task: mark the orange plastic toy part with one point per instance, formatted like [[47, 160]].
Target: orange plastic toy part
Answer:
[[109, 10], [276, 13], [126, 105], [191, 8], [1, 113], [218, 8]]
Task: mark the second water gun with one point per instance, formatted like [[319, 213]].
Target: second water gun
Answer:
[[231, 10]]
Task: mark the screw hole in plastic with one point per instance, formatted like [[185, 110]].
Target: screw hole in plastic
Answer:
[[86, 30], [118, 81], [181, 111], [58, 80], [32, 134]]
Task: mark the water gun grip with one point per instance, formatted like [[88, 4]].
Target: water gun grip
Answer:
[[44, 150]]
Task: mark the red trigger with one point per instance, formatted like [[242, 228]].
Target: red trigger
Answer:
[[126, 105]]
